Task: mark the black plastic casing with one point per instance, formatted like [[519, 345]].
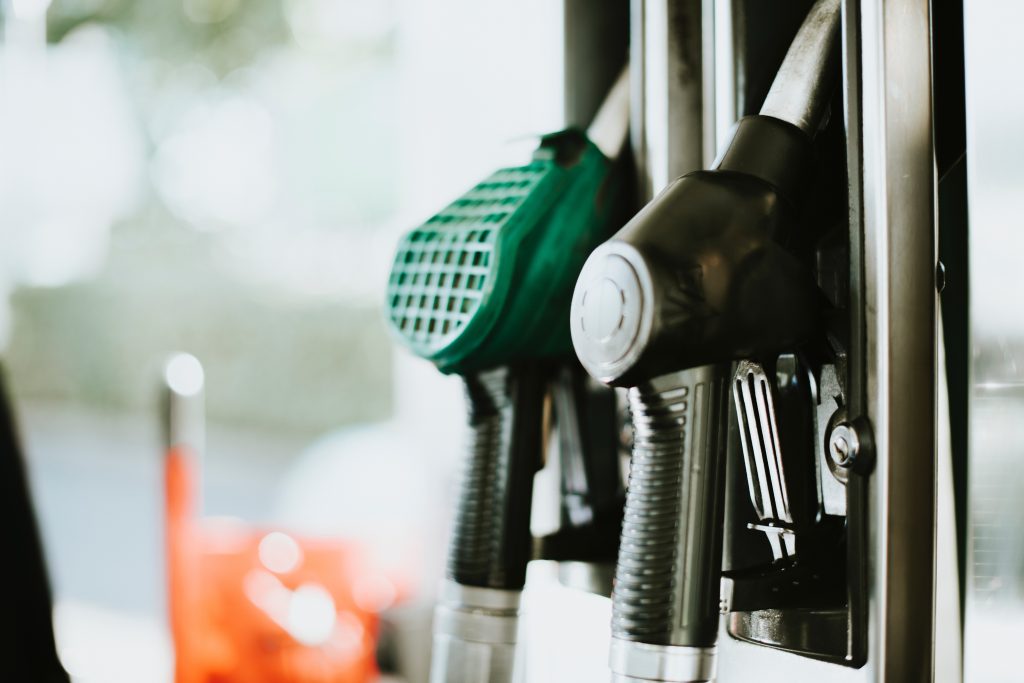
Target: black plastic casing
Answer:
[[708, 271]]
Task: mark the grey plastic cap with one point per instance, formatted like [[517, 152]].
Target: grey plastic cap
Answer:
[[612, 311]]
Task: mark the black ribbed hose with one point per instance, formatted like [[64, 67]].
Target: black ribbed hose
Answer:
[[670, 556], [491, 543]]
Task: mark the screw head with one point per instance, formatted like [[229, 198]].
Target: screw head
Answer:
[[843, 444]]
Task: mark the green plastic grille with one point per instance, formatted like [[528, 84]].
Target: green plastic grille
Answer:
[[443, 267]]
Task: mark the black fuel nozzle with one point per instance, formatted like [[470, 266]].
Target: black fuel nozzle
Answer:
[[709, 272]]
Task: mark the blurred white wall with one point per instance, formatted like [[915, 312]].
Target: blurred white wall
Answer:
[[994, 616]]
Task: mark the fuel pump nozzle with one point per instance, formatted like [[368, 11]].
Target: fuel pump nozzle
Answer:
[[482, 289], [709, 272]]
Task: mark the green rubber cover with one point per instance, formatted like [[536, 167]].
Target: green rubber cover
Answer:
[[489, 279]]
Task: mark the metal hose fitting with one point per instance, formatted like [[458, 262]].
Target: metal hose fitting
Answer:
[[491, 542], [665, 602], [474, 635]]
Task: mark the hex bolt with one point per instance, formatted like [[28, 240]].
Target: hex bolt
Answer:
[[843, 444]]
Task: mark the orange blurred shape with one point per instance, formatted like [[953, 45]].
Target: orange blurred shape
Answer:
[[254, 605]]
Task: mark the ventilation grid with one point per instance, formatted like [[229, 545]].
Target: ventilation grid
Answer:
[[441, 268]]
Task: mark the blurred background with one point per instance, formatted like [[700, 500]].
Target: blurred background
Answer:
[[229, 179]]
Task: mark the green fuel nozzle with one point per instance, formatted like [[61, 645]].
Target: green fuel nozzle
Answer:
[[483, 289]]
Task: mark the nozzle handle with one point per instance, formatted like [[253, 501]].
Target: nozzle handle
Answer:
[[491, 542], [670, 557]]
